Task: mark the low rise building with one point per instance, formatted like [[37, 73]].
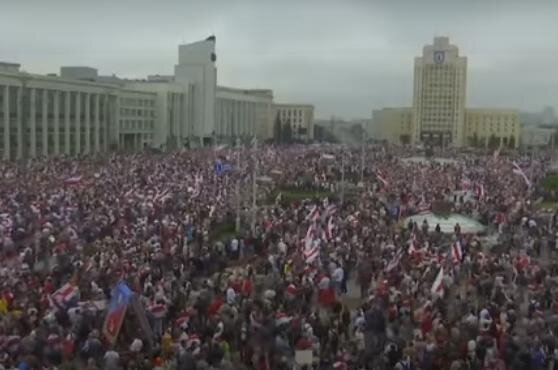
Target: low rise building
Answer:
[[535, 136], [243, 113], [299, 116], [394, 125], [492, 127], [82, 112], [42, 115]]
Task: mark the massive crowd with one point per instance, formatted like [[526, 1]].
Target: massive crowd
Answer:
[[317, 284]]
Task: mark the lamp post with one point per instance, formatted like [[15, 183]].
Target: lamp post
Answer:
[[342, 175], [362, 158], [237, 190], [254, 185]]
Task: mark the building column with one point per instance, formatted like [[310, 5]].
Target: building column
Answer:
[[33, 124], [237, 118], [45, 122], [87, 122], [67, 110], [7, 122], [19, 121], [253, 119], [97, 122], [242, 114], [77, 124], [56, 122]]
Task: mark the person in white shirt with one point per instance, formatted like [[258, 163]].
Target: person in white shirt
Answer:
[[111, 359], [234, 248], [337, 278], [231, 296]]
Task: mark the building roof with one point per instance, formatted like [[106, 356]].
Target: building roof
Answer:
[[8, 64], [297, 105]]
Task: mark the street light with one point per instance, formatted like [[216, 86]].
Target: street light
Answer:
[[362, 158], [254, 185], [239, 175]]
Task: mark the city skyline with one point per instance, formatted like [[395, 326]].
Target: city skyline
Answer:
[[349, 60]]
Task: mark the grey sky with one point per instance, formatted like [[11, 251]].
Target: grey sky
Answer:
[[346, 57]]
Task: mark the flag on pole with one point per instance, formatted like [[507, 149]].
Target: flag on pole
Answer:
[[311, 253], [456, 252], [480, 191], [120, 298], [381, 176], [65, 297], [72, 180], [497, 152], [437, 287], [394, 261], [329, 230], [519, 171], [314, 214]]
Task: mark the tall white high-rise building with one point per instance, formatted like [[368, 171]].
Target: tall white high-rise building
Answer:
[[440, 80], [196, 66]]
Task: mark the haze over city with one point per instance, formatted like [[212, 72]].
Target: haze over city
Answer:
[[346, 60]]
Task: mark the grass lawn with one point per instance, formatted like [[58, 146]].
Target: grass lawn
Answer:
[[291, 195], [550, 182], [223, 233], [548, 205]]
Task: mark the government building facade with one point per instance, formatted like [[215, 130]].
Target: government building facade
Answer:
[[439, 115], [80, 112]]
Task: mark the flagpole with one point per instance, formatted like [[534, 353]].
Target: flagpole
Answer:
[[254, 187], [237, 190], [342, 176], [362, 159]]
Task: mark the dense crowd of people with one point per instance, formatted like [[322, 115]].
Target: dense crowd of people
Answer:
[[337, 279]]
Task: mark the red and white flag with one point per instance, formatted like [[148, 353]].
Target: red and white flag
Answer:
[[423, 205], [519, 171], [381, 176], [282, 318], [314, 214], [311, 253], [394, 261], [456, 252], [72, 180], [64, 297], [480, 191], [437, 286], [412, 245], [466, 183], [330, 228]]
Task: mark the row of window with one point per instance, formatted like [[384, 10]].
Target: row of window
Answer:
[[137, 102], [127, 124], [136, 112], [291, 113]]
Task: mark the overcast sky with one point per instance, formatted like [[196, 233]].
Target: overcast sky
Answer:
[[345, 57]]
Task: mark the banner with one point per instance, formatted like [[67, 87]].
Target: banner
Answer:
[[120, 298]]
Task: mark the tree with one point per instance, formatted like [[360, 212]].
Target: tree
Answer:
[[511, 142], [405, 139], [493, 142], [475, 140], [277, 132], [287, 132]]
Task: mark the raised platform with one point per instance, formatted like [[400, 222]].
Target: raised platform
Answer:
[[447, 223]]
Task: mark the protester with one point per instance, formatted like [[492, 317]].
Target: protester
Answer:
[[71, 229]]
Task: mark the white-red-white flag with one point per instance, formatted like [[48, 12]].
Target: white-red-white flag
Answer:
[[519, 171], [329, 229], [381, 176], [456, 252], [394, 261], [437, 286]]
